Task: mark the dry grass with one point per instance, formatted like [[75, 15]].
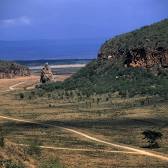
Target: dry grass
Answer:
[[17, 155], [105, 121]]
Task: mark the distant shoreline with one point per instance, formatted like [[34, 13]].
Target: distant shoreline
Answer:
[[59, 66]]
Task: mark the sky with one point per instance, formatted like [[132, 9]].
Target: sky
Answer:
[[76, 20]]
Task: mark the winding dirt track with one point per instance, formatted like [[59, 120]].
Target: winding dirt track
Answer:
[[82, 150], [124, 147], [12, 88], [131, 150]]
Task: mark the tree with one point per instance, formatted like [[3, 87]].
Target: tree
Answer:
[[2, 143], [152, 137]]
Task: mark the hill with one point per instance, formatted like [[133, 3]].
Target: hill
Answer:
[[130, 64], [144, 47], [12, 69]]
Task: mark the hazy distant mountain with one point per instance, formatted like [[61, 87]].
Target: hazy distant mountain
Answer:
[[49, 49]]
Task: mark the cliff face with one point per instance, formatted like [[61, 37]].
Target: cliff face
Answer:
[[146, 47], [147, 58], [11, 70], [140, 57]]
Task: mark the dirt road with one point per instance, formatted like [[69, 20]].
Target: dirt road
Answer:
[[129, 149], [124, 147], [82, 150]]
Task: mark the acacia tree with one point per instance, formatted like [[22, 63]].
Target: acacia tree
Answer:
[[152, 137]]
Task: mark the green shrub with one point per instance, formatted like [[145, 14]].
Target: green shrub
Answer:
[[21, 95], [2, 142], [52, 164], [34, 147], [10, 164], [152, 137], [40, 92]]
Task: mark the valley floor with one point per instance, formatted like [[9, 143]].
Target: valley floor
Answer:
[[81, 134]]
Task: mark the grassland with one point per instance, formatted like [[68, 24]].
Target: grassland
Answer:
[[107, 117]]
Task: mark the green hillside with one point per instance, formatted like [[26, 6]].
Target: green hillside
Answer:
[[152, 36], [106, 76]]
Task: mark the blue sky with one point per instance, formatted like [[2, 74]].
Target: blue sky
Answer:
[[76, 19]]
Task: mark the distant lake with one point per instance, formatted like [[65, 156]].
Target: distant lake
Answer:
[[64, 66]]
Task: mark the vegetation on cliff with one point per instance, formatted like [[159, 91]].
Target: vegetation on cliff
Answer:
[[111, 75], [102, 79], [151, 36]]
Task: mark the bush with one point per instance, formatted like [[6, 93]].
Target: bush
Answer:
[[10, 164], [152, 137], [34, 147], [2, 143], [52, 164], [21, 95], [40, 92]]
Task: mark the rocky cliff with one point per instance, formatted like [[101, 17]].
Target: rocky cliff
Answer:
[[146, 47], [11, 70]]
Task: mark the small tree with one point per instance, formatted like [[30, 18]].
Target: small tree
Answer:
[[21, 95], [98, 101], [152, 137]]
